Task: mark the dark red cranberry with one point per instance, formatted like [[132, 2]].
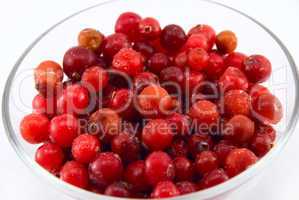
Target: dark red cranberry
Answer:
[[236, 102], [50, 157], [113, 43], [261, 144], [173, 37], [181, 59], [157, 62], [74, 173], [105, 169], [186, 187], [207, 31], [193, 82], [128, 61], [233, 78], [128, 24], [165, 189], [76, 60], [222, 149], [64, 129], [205, 162], [135, 175], [34, 128], [197, 41], [239, 160], [144, 79], [198, 59], [159, 167], [149, 28], [178, 148], [85, 148], [172, 78], [199, 142], [42, 105], [257, 68], [266, 130], [118, 189], [257, 90], [183, 169], [96, 78], [180, 124], [235, 59], [216, 66], [204, 111], [213, 178], [144, 48]]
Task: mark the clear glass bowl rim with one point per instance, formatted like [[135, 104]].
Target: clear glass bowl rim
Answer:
[[78, 193]]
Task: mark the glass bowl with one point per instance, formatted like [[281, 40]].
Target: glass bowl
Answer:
[[253, 38]]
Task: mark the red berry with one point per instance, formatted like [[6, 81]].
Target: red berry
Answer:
[[257, 68], [74, 173], [118, 189], [204, 111], [105, 169], [216, 66], [173, 37], [183, 169], [213, 178], [239, 160], [180, 124], [205, 162], [193, 82], [157, 62], [159, 167], [236, 102], [128, 24], [149, 28], [172, 79], [178, 148], [197, 41], [76, 60], [235, 59], [85, 148], [232, 79], [199, 142], [50, 157], [186, 187], [143, 80], [64, 129], [258, 90], [144, 48], [207, 31], [113, 43], [135, 175], [165, 189], [266, 130], [198, 59], [34, 128], [128, 61], [122, 103], [96, 78], [157, 134], [222, 149], [181, 59], [42, 105], [261, 144]]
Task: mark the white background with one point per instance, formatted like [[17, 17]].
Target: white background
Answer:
[[22, 21]]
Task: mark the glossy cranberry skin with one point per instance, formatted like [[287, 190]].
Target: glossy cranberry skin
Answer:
[[233, 78], [207, 31], [128, 23], [257, 90], [117, 189], [183, 169], [157, 62], [157, 134], [113, 43], [149, 28], [34, 128], [178, 148], [135, 175], [198, 59], [85, 148], [236, 102], [238, 160], [181, 59], [172, 79], [74, 173], [159, 167], [165, 189], [75, 99], [50, 157], [235, 59], [96, 78], [63, 130], [267, 108], [197, 41], [216, 66], [193, 82], [143, 80], [144, 48], [204, 111], [105, 169], [76, 60], [214, 177], [173, 37], [205, 162], [126, 146], [199, 142], [122, 103], [180, 124], [257, 68], [222, 149], [186, 187], [128, 61], [42, 105]]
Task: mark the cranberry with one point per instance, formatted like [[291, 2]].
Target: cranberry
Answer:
[[267, 108], [128, 61], [48, 76], [183, 169], [226, 41], [144, 48], [186, 187], [213, 178], [90, 38], [235, 59], [239, 160], [204, 111], [128, 23], [34, 128], [198, 59], [180, 124], [165, 189], [236, 102], [207, 31], [135, 175], [95, 77], [157, 134], [64, 129], [144, 79], [85, 148], [193, 81], [181, 59], [205, 162], [261, 144], [222, 149], [199, 142], [105, 169], [118, 189], [42, 105], [159, 167], [178, 148], [76, 60], [157, 62], [257, 90], [266, 130], [216, 66], [173, 37], [172, 79], [233, 78], [74, 173], [50, 157], [197, 41], [149, 28], [113, 43], [126, 146], [257, 68]]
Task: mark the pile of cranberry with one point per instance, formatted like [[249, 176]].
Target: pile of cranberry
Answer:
[[150, 112]]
